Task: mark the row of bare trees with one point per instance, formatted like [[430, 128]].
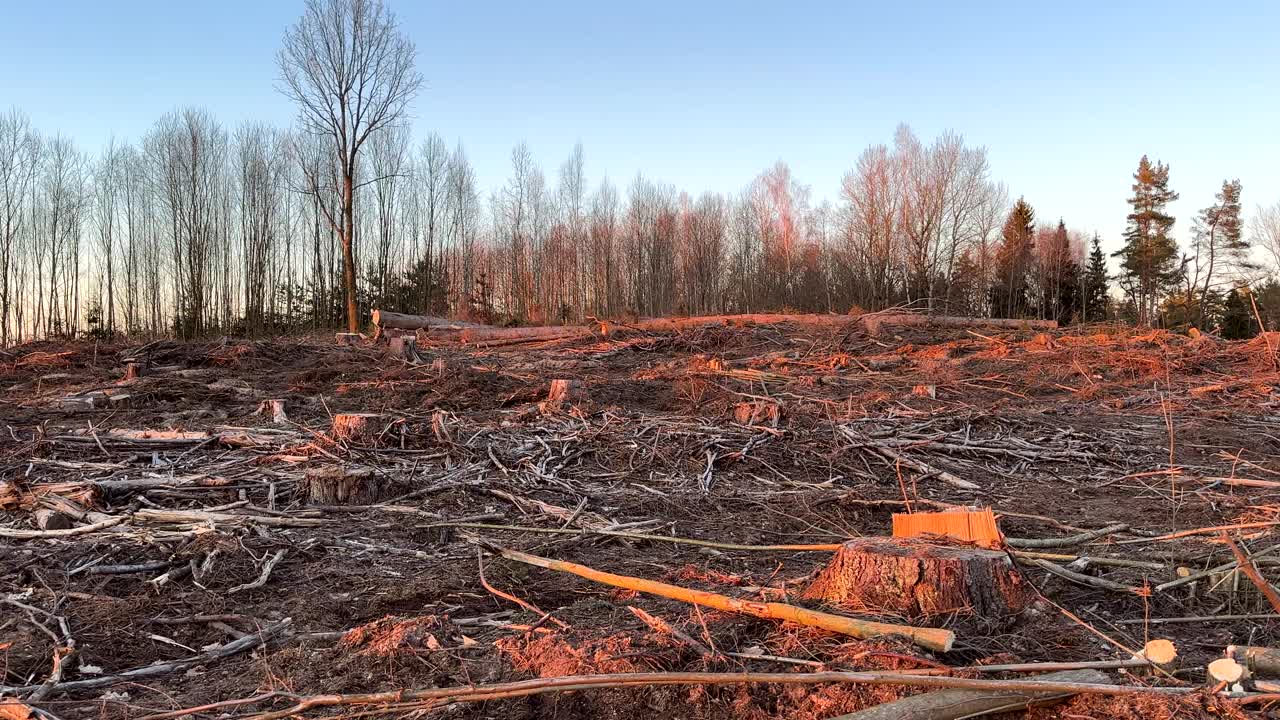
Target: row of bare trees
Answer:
[[197, 228]]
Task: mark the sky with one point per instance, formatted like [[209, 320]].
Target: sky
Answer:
[[706, 94]]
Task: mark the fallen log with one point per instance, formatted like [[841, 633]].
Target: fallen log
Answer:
[[955, 704], [1070, 541], [68, 532], [1258, 660], [402, 321], [937, 639], [1225, 670]]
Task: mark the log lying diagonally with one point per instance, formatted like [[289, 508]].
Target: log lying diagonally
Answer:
[[937, 639]]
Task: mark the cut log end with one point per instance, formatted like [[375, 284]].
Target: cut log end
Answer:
[[48, 519], [1225, 670], [344, 485], [358, 428], [1160, 652], [914, 579]]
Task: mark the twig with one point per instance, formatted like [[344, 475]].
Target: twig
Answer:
[[266, 574], [820, 547], [1084, 579], [1073, 540], [508, 596]]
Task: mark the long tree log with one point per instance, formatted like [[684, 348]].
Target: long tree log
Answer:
[[936, 639], [953, 704], [401, 321]]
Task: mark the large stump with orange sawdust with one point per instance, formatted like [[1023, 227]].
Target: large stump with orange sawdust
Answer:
[[914, 578]]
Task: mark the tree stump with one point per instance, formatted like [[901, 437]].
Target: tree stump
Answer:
[[404, 347], [274, 408], [344, 485], [914, 579], [347, 338], [358, 428], [563, 394], [757, 412], [134, 370]]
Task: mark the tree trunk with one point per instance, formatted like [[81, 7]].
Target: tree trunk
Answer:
[[348, 251]]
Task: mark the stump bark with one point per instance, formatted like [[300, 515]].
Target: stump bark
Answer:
[[562, 395], [344, 485], [134, 370], [914, 579], [357, 428], [275, 409]]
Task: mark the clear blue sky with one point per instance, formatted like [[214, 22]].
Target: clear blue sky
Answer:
[[1066, 96]]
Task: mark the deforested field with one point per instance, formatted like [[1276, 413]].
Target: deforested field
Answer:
[[379, 527]]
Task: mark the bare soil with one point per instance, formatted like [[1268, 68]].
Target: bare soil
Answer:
[[1063, 432]]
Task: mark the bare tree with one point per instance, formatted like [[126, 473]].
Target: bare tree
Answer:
[[18, 158], [1266, 231], [351, 73]]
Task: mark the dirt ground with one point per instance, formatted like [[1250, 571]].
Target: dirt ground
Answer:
[[739, 433]]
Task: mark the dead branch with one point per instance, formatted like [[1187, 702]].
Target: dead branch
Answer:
[[936, 639], [235, 647], [954, 704], [432, 697], [1251, 571]]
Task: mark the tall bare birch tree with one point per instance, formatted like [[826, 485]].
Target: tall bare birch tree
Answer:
[[351, 73]]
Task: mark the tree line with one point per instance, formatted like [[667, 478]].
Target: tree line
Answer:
[[196, 228]]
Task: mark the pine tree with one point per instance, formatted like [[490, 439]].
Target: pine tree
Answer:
[[1237, 318], [1149, 259], [1009, 296], [1221, 250], [1096, 301]]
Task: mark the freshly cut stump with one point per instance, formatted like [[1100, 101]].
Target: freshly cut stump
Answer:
[[134, 370], [358, 428], [344, 485], [912, 578]]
